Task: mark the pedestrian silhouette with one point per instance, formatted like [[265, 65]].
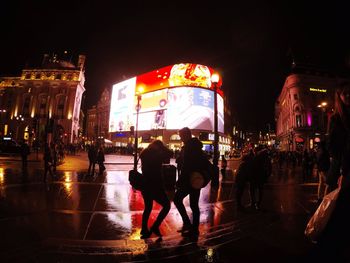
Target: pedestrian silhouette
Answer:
[[190, 160], [223, 167], [101, 160], [261, 171], [47, 161], [92, 155], [152, 159], [243, 174], [54, 156]]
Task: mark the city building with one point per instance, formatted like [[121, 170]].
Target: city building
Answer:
[[44, 102], [303, 107], [98, 118]]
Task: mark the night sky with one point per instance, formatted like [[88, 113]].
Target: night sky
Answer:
[[250, 43]]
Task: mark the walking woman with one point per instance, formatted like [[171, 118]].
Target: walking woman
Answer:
[[152, 159], [335, 240]]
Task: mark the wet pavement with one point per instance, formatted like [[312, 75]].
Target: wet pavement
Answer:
[[74, 217]]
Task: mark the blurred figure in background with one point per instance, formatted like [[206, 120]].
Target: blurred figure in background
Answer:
[[101, 160]]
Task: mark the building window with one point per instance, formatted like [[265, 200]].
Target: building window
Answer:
[[60, 107], [43, 101], [26, 104], [27, 76], [58, 76], [37, 76], [298, 120], [296, 96]]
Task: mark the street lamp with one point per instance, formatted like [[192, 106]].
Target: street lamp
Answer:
[[215, 80], [138, 107]]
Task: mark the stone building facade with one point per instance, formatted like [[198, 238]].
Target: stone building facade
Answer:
[[44, 102], [303, 108], [98, 118]]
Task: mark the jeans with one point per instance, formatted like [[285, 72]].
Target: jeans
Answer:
[[161, 198], [194, 204]]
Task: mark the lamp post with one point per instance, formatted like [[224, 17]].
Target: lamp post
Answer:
[[215, 80], [138, 107]]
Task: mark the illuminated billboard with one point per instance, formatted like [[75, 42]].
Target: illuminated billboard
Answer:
[[174, 97]]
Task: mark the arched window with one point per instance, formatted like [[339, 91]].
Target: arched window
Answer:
[[42, 105], [60, 106]]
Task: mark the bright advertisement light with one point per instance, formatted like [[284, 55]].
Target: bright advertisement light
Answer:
[[122, 106], [193, 108], [165, 109]]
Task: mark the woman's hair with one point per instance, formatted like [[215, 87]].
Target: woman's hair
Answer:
[[158, 144]]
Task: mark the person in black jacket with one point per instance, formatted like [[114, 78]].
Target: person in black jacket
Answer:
[[335, 239], [243, 174], [191, 160], [261, 171], [152, 159]]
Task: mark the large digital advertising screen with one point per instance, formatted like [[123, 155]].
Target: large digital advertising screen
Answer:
[[172, 108], [175, 96]]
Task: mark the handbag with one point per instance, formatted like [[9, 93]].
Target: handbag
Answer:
[[200, 179], [136, 180], [320, 218]]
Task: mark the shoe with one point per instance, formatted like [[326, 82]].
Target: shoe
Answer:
[[192, 234], [145, 234], [257, 207], [156, 231], [185, 228]]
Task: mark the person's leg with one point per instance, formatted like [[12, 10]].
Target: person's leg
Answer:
[[90, 166], [239, 193], [93, 168], [180, 194], [162, 199], [148, 204], [194, 204], [260, 188], [252, 192]]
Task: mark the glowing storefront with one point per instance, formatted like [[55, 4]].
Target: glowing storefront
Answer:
[[173, 97]]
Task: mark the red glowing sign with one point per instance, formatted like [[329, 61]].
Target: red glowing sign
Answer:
[[184, 74]]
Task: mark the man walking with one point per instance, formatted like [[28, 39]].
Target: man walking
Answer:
[[190, 160]]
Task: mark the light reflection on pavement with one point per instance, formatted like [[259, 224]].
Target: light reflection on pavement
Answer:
[[74, 213]]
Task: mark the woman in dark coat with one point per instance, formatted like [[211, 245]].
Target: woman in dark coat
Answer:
[[152, 159], [243, 174], [261, 171]]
